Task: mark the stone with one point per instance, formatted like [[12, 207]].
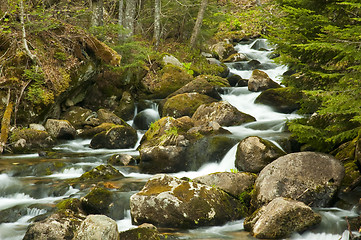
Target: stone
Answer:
[[236, 57], [38, 127], [141, 232], [97, 227], [117, 137], [223, 50], [260, 45], [60, 129], [309, 177], [30, 140], [185, 104], [106, 116], [284, 100], [280, 218], [234, 183], [170, 59], [237, 81], [122, 160], [260, 81], [145, 118], [102, 172], [225, 72], [166, 201], [254, 153], [221, 112], [79, 117], [126, 107]]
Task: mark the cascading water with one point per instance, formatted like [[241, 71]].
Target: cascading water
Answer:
[[27, 190]]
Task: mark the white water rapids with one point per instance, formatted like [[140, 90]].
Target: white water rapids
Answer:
[[25, 195]]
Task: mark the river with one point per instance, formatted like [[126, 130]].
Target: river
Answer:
[[30, 185]]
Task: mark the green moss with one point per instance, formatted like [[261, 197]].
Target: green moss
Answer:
[[184, 192], [102, 172]]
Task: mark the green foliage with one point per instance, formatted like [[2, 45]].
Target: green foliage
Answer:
[[37, 92], [187, 66], [320, 40]]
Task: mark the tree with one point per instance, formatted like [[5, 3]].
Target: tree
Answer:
[[97, 12], [198, 24], [129, 17], [157, 8]]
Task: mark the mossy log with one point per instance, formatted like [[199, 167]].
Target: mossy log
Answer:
[[5, 126]]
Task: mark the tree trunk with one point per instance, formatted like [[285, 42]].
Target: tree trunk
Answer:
[[5, 124], [198, 24], [97, 10], [129, 17], [258, 2], [25, 43], [157, 7]]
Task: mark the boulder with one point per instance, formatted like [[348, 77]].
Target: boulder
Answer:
[[171, 60], [92, 131], [106, 116], [234, 183], [309, 177], [79, 117], [254, 153], [167, 201], [144, 118], [60, 129], [126, 107], [223, 50], [284, 100], [141, 232], [184, 104], [237, 81], [260, 45], [173, 145], [225, 70], [280, 218], [121, 160], [260, 81], [221, 112], [58, 226], [236, 57], [166, 81], [102, 172], [97, 227], [30, 140], [103, 201], [119, 136], [38, 127]]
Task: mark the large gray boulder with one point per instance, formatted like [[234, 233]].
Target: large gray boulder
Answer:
[[97, 227], [29, 140], [260, 81], [280, 218], [221, 112], [254, 153], [310, 177], [223, 50], [166, 201], [60, 129], [79, 117], [236, 184]]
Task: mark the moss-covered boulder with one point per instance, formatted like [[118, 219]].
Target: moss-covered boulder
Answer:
[[107, 116], [309, 177], [79, 117], [60, 129], [90, 132], [172, 145], [260, 81], [126, 107], [119, 136], [284, 100], [141, 232], [221, 69], [280, 218], [238, 184], [166, 81], [145, 118], [185, 104], [237, 81], [97, 227], [100, 173], [236, 57], [223, 50], [221, 112], [121, 160], [254, 153], [103, 201], [29, 140], [167, 201]]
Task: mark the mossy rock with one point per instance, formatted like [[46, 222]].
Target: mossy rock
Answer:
[[284, 100], [126, 107], [121, 160], [102, 172], [30, 140], [78, 116], [185, 104], [140, 233], [73, 204], [117, 137], [91, 132]]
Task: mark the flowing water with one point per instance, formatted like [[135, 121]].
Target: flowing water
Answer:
[[31, 185]]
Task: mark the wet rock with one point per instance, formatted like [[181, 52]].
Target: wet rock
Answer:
[[103, 201], [141, 232], [102, 172], [121, 160], [309, 177], [79, 117], [30, 140], [144, 118], [223, 50], [92, 131], [97, 227], [236, 57], [184, 104], [126, 107], [106, 116], [119, 136], [60, 129], [38, 127], [237, 81], [221, 112], [225, 72], [58, 226], [254, 153], [280, 218], [170, 202], [260, 45], [165, 82], [260, 81], [237, 184], [284, 100]]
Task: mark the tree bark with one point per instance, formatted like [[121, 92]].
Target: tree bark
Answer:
[[5, 124], [25, 43], [198, 24], [97, 12], [129, 17], [157, 8]]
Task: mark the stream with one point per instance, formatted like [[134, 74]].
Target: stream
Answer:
[[31, 185]]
